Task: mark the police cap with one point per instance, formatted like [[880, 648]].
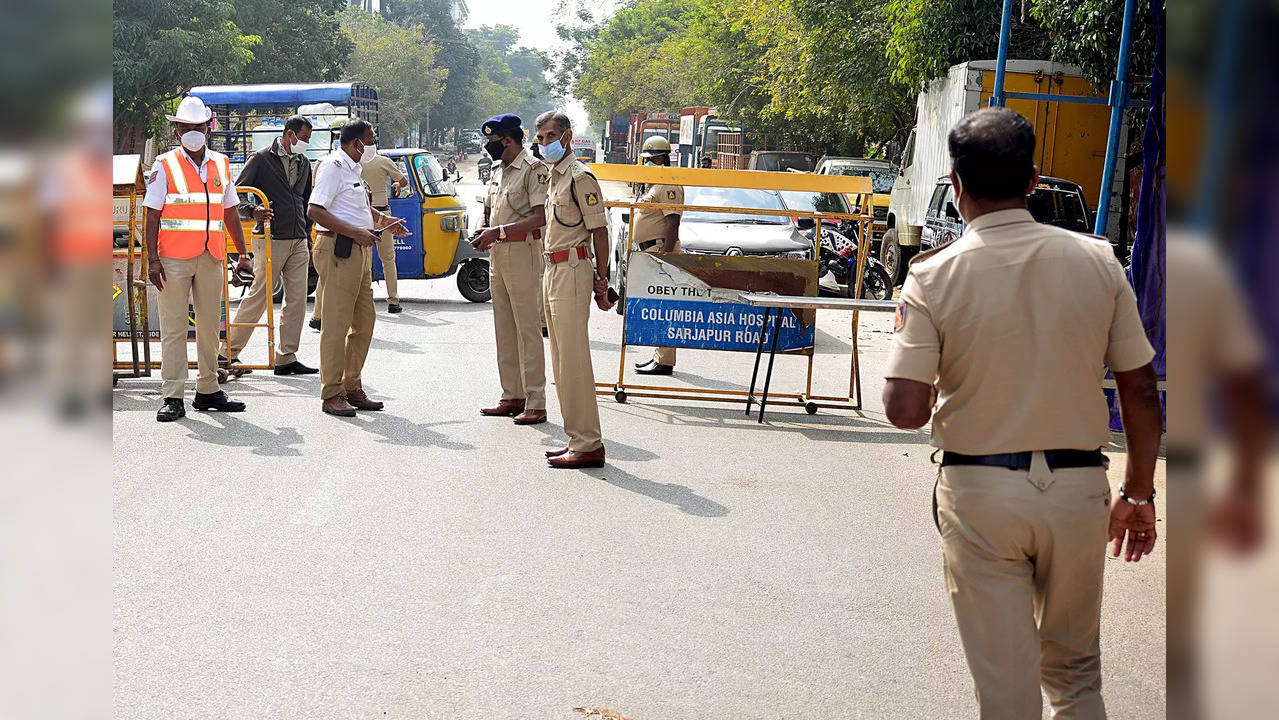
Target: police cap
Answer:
[[506, 121]]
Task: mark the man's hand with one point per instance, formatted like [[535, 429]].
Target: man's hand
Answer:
[[397, 227], [244, 265], [397, 186], [155, 272], [364, 238], [261, 212], [1137, 522], [487, 239], [1237, 522]]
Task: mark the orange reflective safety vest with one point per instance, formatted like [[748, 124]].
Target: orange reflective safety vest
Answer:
[[82, 212], [191, 220]]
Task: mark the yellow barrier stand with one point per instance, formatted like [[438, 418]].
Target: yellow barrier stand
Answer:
[[249, 240], [758, 180]]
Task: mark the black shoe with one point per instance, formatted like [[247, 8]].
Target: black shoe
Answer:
[[394, 308], [315, 323], [216, 401], [294, 368], [656, 369], [172, 409], [646, 364], [545, 334], [233, 367]]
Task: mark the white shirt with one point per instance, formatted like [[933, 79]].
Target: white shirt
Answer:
[[339, 188], [158, 187]]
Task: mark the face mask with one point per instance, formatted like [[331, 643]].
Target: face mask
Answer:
[[648, 162], [300, 147], [554, 151], [193, 140], [370, 152], [495, 149]]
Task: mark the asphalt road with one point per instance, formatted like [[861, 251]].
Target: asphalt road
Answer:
[[423, 562]]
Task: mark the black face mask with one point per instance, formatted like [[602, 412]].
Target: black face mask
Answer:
[[495, 149]]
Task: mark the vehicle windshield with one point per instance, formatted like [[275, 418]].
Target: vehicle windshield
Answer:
[[814, 201], [781, 162], [1062, 208], [881, 180], [429, 174], [733, 197]]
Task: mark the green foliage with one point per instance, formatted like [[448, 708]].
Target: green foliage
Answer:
[[512, 79], [301, 40], [1086, 33], [161, 48], [456, 107], [400, 63]]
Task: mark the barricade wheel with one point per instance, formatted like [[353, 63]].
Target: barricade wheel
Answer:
[[620, 396], [810, 407]]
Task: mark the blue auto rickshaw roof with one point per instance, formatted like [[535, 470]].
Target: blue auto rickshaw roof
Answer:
[[267, 95]]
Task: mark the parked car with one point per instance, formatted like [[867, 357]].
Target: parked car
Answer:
[[734, 234], [782, 161], [1054, 202], [881, 174], [838, 249]]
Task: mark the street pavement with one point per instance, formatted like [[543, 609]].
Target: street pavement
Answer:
[[424, 562]]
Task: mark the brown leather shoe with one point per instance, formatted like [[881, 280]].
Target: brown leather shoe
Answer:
[[531, 417], [360, 401], [505, 408], [337, 405], [556, 453], [574, 460]]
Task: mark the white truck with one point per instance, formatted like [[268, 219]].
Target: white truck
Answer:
[[1070, 139]]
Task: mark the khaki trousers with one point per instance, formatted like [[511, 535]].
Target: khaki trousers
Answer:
[[195, 282], [319, 290], [386, 253], [289, 261], [516, 280], [568, 288], [663, 355], [1023, 554], [346, 322]]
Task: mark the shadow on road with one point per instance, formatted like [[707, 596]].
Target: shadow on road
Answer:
[[555, 438], [228, 430], [397, 430], [787, 419], [688, 502]]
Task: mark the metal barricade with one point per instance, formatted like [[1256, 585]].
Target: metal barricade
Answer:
[[746, 179]]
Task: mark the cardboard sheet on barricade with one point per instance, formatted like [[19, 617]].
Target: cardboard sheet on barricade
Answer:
[[691, 301]]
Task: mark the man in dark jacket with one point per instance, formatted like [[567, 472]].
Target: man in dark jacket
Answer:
[[283, 173]]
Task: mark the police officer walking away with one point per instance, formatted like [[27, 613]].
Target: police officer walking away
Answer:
[[282, 172], [658, 231], [343, 255], [189, 200], [378, 173], [1013, 324], [576, 224], [513, 238]]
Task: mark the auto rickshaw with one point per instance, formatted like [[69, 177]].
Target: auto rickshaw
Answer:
[[437, 244]]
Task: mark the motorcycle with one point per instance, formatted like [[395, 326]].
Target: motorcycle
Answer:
[[841, 265]]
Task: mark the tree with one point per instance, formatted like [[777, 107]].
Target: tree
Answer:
[[400, 63], [161, 48], [438, 24], [512, 79], [301, 40]]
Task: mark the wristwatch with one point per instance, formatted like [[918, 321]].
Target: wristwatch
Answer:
[[1124, 496], [501, 232]]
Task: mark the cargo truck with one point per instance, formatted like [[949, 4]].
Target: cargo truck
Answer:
[[1070, 139]]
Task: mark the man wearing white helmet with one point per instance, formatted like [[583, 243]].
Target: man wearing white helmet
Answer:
[[658, 231], [190, 200]]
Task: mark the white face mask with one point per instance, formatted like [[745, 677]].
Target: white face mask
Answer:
[[193, 140], [299, 146], [370, 152]]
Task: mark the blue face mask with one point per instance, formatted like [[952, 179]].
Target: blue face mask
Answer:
[[553, 151]]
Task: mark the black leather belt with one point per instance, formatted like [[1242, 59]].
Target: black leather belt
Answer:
[[1057, 459]]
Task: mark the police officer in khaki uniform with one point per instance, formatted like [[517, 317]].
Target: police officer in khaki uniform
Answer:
[[343, 256], [576, 225], [658, 231], [515, 217], [1012, 326], [378, 173]]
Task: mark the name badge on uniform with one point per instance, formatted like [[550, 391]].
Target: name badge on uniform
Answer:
[[899, 317], [592, 199]]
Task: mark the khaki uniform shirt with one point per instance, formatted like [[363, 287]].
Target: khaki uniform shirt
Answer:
[[1015, 322], [521, 188], [566, 227], [378, 173], [651, 224]]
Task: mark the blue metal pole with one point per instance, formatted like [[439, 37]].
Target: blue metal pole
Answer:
[[1005, 30], [1118, 98]]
